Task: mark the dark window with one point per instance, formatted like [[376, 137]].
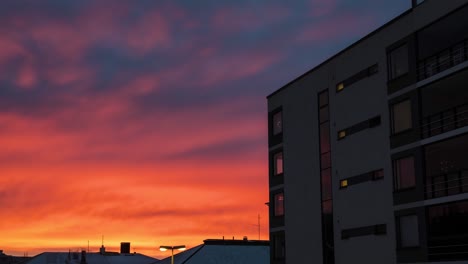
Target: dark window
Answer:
[[361, 178], [278, 246], [326, 185], [275, 127], [279, 204], [447, 156], [446, 167], [325, 160], [323, 99], [377, 175], [278, 123], [369, 123], [398, 62], [323, 114], [408, 232], [324, 137], [401, 116], [364, 231], [325, 174], [448, 231], [367, 72], [278, 163], [404, 173]]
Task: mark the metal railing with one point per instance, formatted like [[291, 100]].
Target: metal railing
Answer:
[[447, 184], [443, 60], [448, 252], [444, 121]]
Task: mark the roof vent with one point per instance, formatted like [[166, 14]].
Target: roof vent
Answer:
[[245, 238], [125, 248]]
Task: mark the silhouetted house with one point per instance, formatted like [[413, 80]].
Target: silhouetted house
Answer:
[[225, 252], [93, 258], [6, 259], [369, 150]]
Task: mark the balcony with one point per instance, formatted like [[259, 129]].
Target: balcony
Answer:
[[447, 184], [449, 252], [444, 121], [443, 60]]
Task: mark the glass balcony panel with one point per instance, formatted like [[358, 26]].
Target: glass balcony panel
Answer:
[[436, 125], [444, 61], [453, 184], [448, 120], [464, 181], [462, 116], [458, 54], [439, 186]]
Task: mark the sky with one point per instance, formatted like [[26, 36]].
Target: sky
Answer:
[[145, 121]]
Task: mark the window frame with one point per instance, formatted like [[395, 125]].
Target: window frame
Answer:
[[390, 73], [275, 165], [275, 139], [394, 165], [392, 117], [399, 229], [275, 114], [275, 204]]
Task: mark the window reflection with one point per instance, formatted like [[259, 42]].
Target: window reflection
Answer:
[[278, 123], [278, 160], [279, 204], [404, 173]]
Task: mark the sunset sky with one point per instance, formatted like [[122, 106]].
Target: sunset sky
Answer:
[[145, 121]]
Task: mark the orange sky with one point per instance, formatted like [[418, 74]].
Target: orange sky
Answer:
[[61, 188]]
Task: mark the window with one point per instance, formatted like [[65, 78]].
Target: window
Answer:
[[367, 72], [408, 231], [398, 62], [278, 123], [279, 204], [404, 173], [339, 87], [341, 134], [377, 175], [278, 163], [343, 183], [323, 99], [447, 231], [401, 117], [326, 185], [324, 138], [278, 245]]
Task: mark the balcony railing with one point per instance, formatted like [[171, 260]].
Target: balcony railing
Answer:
[[444, 121], [443, 60], [448, 252], [447, 184]]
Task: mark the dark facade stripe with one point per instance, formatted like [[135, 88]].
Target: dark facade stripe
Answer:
[[365, 177], [369, 123], [367, 72], [364, 231]]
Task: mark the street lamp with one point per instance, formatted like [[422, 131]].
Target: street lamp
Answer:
[[180, 248]]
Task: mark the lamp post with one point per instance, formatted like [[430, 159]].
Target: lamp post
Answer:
[[180, 248]]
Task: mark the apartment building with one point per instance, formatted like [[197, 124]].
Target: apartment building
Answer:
[[368, 151]]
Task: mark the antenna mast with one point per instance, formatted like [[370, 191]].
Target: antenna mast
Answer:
[[258, 226]]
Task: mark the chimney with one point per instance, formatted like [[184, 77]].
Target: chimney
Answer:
[[102, 250], [125, 248], [83, 257]]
